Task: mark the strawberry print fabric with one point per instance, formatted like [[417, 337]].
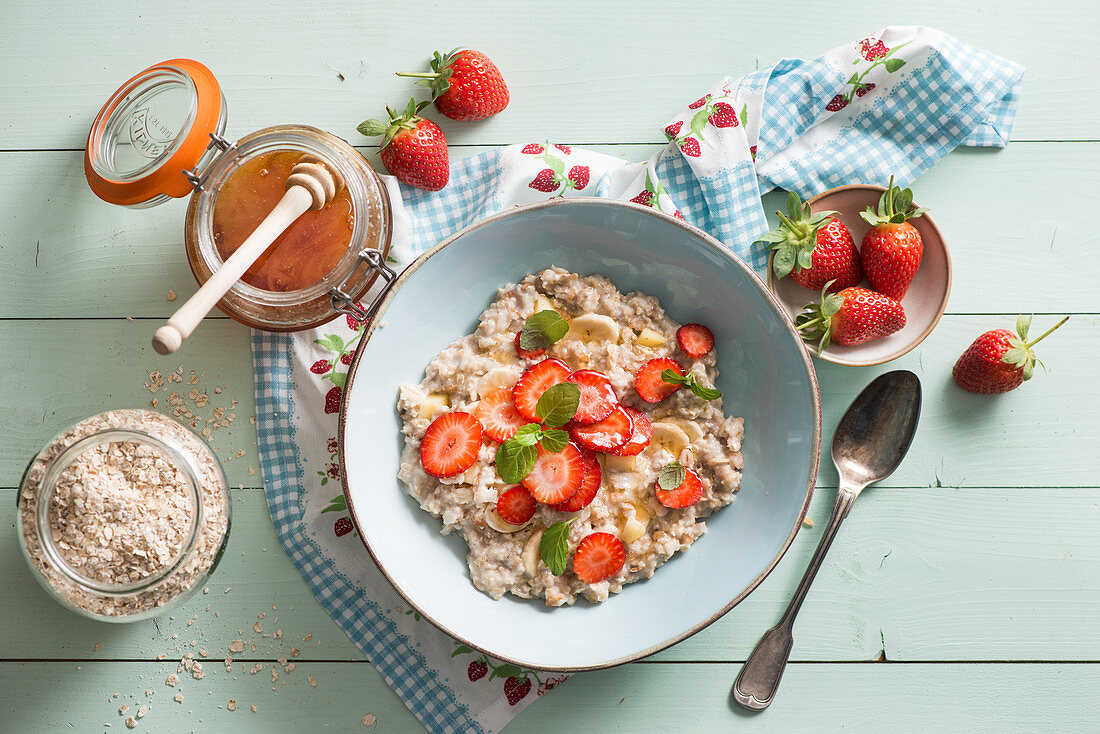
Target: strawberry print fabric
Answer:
[[893, 102]]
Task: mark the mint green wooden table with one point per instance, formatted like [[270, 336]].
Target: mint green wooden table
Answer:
[[961, 596]]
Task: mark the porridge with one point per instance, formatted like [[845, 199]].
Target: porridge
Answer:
[[574, 440]]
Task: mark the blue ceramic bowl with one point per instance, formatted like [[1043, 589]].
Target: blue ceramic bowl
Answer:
[[765, 374]]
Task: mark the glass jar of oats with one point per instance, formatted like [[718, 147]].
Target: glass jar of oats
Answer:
[[124, 515]]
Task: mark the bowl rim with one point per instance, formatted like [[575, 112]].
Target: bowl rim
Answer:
[[706, 239], [903, 350]]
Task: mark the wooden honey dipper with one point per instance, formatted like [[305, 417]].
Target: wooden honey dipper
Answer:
[[309, 186]]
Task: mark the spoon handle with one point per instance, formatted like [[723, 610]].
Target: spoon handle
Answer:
[[759, 678]]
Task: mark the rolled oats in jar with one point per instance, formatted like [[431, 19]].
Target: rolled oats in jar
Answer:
[[124, 515]]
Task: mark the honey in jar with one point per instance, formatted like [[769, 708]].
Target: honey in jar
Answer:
[[308, 250]]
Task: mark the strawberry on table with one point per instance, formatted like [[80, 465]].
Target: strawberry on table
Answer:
[[853, 316], [451, 444], [695, 340], [892, 248], [813, 248], [413, 148], [590, 486], [556, 476], [516, 505], [534, 382], [466, 85], [648, 382], [498, 415], [678, 486], [999, 361], [598, 398], [643, 432], [606, 435], [598, 557]]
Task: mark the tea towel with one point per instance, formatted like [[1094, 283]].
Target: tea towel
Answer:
[[892, 103]]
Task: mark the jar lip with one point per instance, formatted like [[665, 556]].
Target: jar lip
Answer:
[[333, 151], [47, 488]]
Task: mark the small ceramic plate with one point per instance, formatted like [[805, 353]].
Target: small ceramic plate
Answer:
[[924, 302]]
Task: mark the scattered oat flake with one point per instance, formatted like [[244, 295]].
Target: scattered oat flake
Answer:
[[171, 295], [123, 709], [142, 710], [258, 627], [178, 698], [290, 667], [131, 722], [308, 637], [253, 707], [295, 652], [312, 681], [807, 522], [96, 648], [197, 672], [369, 720], [261, 615], [237, 646], [232, 705], [278, 634]]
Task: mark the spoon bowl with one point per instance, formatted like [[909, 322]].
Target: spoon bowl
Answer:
[[877, 429]]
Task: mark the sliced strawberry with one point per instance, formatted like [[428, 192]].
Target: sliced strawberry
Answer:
[[643, 431], [534, 382], [516, 505], [610, 433], [527, 353], [590, 485], [556, 476], [687, 494], [498, 415], [695, 339], [598, 398], [648, 382], [599, 556], [451, 444]]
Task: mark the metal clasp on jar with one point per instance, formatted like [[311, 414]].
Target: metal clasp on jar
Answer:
[[342, 301], [198, 174]]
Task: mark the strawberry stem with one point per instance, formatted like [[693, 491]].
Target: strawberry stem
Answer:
[[419, 74], [1044, 335]]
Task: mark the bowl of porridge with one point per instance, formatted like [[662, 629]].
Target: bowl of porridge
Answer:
[[611, 484]]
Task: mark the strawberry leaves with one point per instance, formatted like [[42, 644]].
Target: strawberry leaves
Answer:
[[795, 238], [814, 323], [1019, 354], [894, 207], [516, 457]]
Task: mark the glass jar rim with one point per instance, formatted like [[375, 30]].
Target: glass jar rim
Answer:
[[48, 485]]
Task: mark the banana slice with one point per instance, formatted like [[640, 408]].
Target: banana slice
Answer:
[[593, 327], [619, 463], [634, 525], [496, 378], [530, 554], [691, 428], [650, 338], [545, 304], [498, 523], [433, 403], [669, 436]]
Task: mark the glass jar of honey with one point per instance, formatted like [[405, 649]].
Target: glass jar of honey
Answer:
[[160, 136]]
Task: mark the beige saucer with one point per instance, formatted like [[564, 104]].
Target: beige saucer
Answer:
[[924, 302]]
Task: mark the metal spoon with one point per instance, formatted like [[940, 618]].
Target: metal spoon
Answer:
[[870, 442]]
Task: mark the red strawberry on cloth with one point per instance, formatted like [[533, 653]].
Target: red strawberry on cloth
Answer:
[[853, 316], [723, 116], [477, 670], [466, 85], [837, 103], [342, 527], [863, 89], [690, 147], [413, 148], [892, 248], [645, 197], [545, 181], [578, 175], [999, 361], [532, 149], [332, 400], [673, 130], [699, 102], [814, 248], [872, 49], [516, 689], [320, 367]]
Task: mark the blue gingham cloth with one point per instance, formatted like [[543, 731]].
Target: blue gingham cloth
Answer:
[[892, 103]]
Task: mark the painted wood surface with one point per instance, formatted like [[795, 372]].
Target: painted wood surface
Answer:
[[974, 572]]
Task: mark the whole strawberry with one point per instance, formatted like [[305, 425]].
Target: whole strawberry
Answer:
[[814, 248], [853, 316], [465, 85], [998, 360], [892, 248], [413, 148]]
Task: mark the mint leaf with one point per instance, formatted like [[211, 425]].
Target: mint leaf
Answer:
[[706, 393], [515, 461], [558, 404], [554, 441], [527, 435], [672, 378], [554, 547], [671, 475], [542, 329]]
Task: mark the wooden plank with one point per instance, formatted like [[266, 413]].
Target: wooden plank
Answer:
[[336, 69], [121, 262], [893, 584], [964, 439], [648, 697]]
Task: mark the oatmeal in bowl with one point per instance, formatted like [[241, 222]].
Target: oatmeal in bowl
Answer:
[[575, 441]]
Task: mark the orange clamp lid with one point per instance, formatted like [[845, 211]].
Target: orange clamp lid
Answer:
[[153, 129]]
